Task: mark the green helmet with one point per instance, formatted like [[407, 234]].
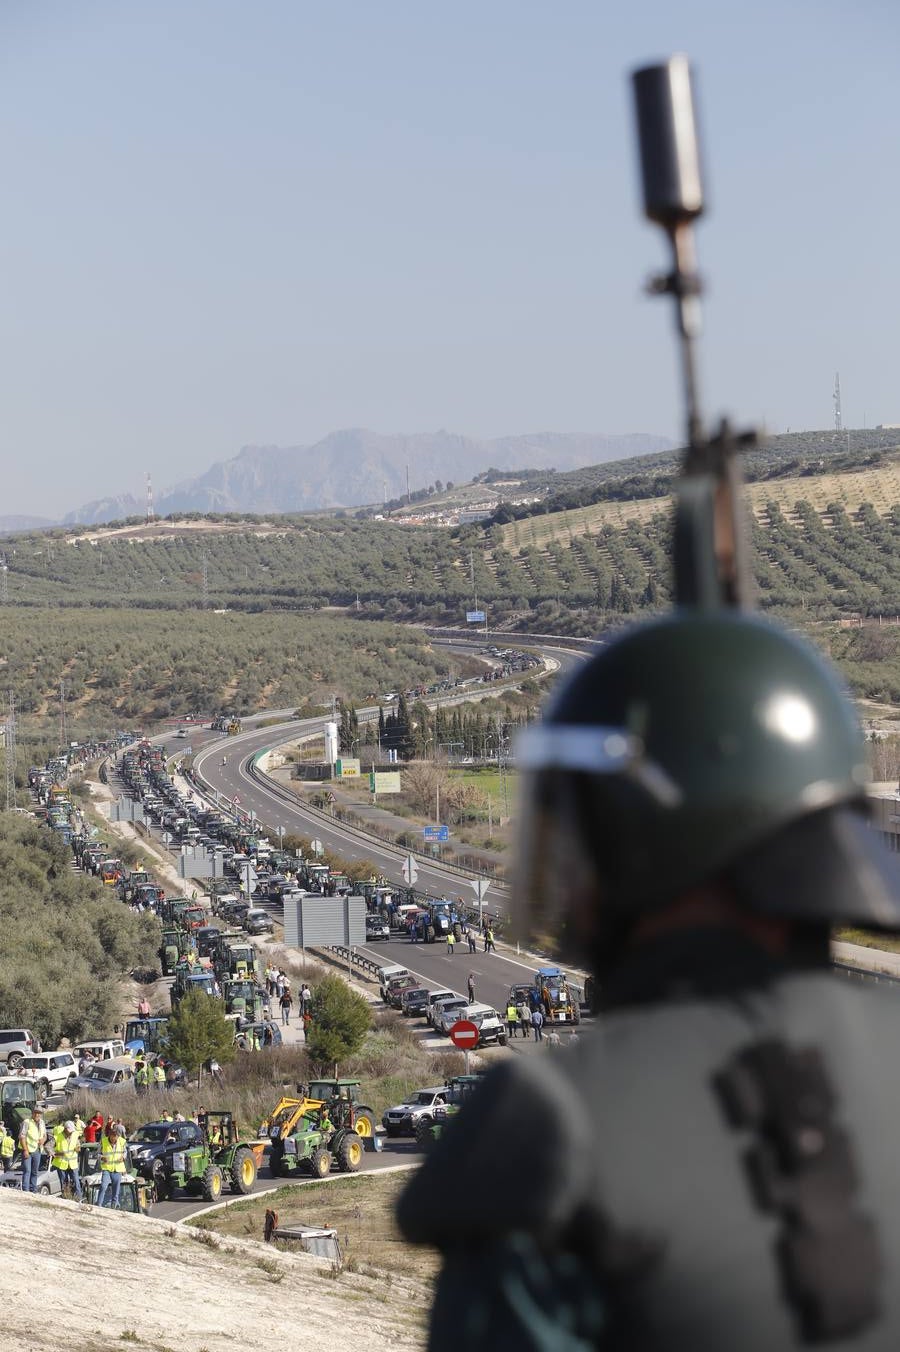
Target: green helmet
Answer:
[[702, 744]]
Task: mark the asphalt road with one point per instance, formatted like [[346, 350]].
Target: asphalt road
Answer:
[[395, 1152]]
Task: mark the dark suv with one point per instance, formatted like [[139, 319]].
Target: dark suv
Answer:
[[153, 1145]]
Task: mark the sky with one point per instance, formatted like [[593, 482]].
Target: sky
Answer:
[[227, 223]]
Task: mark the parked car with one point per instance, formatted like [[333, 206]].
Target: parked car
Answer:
[[438, 1000], [376, 929], [414, 1001], [258, 921], [16, 1043], [449, 1012], [51, 1071], [153, 1145], [103, 1076], [403, 1118]]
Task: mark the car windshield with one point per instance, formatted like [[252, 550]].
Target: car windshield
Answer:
[[152, 1134], [100, 1073], [33, 1062], [426, 1098]]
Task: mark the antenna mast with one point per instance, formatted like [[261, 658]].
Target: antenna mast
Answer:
[[836, 399], [150, 512], [4, 582]]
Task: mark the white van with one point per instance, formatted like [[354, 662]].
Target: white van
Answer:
[[389, 974]]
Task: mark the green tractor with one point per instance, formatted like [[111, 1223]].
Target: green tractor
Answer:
[[205, 1169], [344, 1107], [175, 944], [244, 997], [313, 1150], [135, 1193]]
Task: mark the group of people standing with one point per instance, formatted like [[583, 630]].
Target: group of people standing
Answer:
[[63, 1143]]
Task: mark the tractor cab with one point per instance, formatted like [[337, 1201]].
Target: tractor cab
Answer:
[[17, 1098]]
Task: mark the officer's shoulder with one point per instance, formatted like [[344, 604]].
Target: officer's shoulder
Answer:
[[517, 1155]]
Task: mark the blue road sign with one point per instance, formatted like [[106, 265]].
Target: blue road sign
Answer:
[[475, 617], [436, 833]]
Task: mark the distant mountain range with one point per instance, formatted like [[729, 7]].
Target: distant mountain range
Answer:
[[355, 468], [10, 524]]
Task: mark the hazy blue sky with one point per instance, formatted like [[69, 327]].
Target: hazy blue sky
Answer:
[[227, 222]]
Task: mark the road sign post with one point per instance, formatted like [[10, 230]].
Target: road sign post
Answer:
[[410, 870], [464, 1034], [480, 887]]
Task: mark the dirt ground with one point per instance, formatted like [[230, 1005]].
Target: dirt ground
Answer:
[[87, 1280]]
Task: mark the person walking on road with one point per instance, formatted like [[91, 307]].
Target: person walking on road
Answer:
[[470, 935], [523, 1009], [537, 1023], [451, 941], [285, 1002], [512, 1020], [489, 945], [470, 987]]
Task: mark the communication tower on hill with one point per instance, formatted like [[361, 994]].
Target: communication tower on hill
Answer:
[[150, 513], [836, 398]]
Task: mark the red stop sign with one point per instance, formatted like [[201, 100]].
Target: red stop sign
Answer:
[[464, 1034]]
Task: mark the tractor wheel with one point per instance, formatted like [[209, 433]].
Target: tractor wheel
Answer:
[[429, 934], [243, 1171], [364, 1121], [276, 1154], [424, 1135], [160, 1182], [576, 1013], [320, 1163], [350, 1153], [457, 931], [211, 1186]]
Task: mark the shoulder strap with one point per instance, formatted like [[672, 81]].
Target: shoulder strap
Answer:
[[800, 1167]]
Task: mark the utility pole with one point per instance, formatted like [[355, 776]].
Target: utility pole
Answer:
[[4, 583], [150, 513], [10, 756], [836, 400], [205, 580]]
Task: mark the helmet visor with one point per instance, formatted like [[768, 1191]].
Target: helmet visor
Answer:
[[587, 796]]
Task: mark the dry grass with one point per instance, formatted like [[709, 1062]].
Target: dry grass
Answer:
[[360, 1207]]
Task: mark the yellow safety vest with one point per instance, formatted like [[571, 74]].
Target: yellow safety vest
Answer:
[[112, 1155], [7, 1146], [159, 1075], [32, 1135], [65, 1149]]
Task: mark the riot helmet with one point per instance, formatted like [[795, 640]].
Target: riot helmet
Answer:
[[704, 745]]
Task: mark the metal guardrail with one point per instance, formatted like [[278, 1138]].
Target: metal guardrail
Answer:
[[865, 974], [354, 959]]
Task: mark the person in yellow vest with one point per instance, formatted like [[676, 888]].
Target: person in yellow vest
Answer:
[[112, 1165], [214, 1135], [159, 1075], [7, 1148], [66, 1142], [32, 1139]]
